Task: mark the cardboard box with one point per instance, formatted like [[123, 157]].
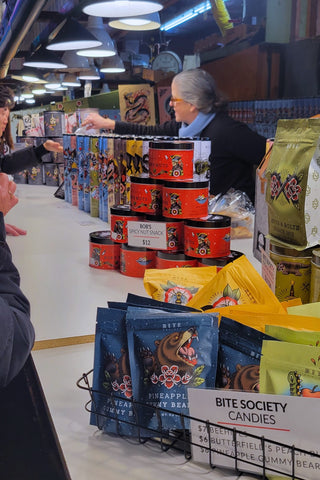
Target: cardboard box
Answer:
[[261, 228]]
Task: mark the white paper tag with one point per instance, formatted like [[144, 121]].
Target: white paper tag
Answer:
[[147, 234]]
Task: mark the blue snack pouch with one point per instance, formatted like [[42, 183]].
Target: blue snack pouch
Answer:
[[140, 301], [112, 409], [169, 353], [239, 356]]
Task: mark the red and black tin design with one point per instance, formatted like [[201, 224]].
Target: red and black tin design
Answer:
[[146, 195], [174, 260], [103, 252], [171, 160], [185, 199], [135, 260], [119, 217], [174, 232], [207, 238]]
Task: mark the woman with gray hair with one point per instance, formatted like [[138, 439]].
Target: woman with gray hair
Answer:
[[201, 111]]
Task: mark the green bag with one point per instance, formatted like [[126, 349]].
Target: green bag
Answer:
[[293, 184]]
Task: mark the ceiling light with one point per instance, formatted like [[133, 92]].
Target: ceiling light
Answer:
[[53, 82], [107, 48], [30, 100], [75, 62], [112, 65], [186, 16], [121, 8], [71, 80], [138, 22], [43, 58], [31, 76], [91, 74], [27, 93], [73, 36], [39, 90]]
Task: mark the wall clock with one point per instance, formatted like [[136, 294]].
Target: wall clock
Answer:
[[167, 61]]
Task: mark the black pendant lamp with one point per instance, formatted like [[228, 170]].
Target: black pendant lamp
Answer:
[[73, 36]]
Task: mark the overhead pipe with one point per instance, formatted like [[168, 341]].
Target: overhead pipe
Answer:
[[23, 16]]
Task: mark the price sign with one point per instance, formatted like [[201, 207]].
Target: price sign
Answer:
[[267, 426], [147, 235]]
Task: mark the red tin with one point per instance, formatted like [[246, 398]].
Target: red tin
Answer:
[[173, 260], [103, 252], [146, 195], [208, 238], [119, 217], [185, 199], [174, 232], [219, 262], [171, 160], [135, 260]]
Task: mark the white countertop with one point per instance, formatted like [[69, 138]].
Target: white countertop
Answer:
[[64, 293]]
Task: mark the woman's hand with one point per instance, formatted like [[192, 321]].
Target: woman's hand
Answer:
[[7, 196], [14, 231], [94, 120], [52, 146]]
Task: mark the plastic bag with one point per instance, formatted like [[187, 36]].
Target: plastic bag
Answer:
[[238, 206]]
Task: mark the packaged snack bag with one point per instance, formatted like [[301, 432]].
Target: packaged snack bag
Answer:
[[169, 353], [239, 356], [304, 337], [236, 283], [177, 285], [290, 369], [138, 300], [112, 408], [293, 176]]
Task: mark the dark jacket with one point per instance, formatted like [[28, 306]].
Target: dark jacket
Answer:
[[16, 331], [235, 150], [21, 159]]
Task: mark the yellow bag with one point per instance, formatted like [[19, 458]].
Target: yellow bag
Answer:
[[183, 283], [236, 283]]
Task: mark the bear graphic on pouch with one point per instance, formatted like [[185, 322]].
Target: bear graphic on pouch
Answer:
[[173, 349], [244, 378]]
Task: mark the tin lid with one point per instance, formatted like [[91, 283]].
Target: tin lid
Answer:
[[160, 218], [102, 236], [212, 221], [175, 145], [185, 184], [122, 210], [221, 261], [289, 252], [145, 180], [316, 256], [173, 256], [125, 246]]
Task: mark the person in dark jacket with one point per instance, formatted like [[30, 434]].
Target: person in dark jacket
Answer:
[[17, 332], [201, 111], [26, 157], [22, 159]]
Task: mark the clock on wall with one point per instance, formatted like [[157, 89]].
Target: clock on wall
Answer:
[[167, 61]]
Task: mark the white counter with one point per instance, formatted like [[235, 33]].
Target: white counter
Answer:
[[64, 293]]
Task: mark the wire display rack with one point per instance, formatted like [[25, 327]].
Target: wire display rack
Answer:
[[181, 440]]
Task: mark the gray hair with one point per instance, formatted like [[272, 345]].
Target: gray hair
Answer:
[[197, 87]]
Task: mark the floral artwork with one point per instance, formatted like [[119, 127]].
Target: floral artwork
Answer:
[[137, 104]]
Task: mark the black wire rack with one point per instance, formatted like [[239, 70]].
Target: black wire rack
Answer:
[[180, 439]]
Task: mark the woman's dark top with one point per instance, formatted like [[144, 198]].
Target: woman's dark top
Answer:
[[21, 159], [236, 150]]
